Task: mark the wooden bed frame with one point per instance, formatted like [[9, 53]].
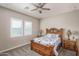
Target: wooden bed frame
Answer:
[[46, 50]]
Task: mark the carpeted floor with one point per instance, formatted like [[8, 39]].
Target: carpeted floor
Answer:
[[26, 51]]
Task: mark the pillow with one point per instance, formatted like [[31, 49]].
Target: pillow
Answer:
[[52, 36], [49, 35], [55, 36]]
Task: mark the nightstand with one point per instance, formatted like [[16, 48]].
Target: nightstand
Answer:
[[69, 44], [77, 47]]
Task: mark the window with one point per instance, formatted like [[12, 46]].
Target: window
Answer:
[[16, 27], [20, 28], [27, 28]]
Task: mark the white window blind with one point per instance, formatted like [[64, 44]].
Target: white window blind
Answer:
[[27, 28], [16, 27]]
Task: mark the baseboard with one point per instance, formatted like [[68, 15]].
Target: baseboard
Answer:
[[13, 47]]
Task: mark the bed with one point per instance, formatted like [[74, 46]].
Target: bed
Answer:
[[47, 46]]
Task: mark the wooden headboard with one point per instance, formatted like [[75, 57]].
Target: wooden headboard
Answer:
[[55, 31]]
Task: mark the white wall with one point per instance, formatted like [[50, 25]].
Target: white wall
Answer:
[[68, 20], [6, 41]]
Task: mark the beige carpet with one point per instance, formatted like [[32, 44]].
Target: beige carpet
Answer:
[[26, 51]]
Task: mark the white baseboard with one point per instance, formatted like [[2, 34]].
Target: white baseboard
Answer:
[[13, 47]]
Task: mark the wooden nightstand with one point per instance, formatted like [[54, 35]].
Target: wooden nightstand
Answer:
[[69, 44], [77, 47]]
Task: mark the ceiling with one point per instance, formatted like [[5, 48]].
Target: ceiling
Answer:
[[56, 8]]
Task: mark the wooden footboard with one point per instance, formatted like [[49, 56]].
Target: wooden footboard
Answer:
[[41, 49]]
